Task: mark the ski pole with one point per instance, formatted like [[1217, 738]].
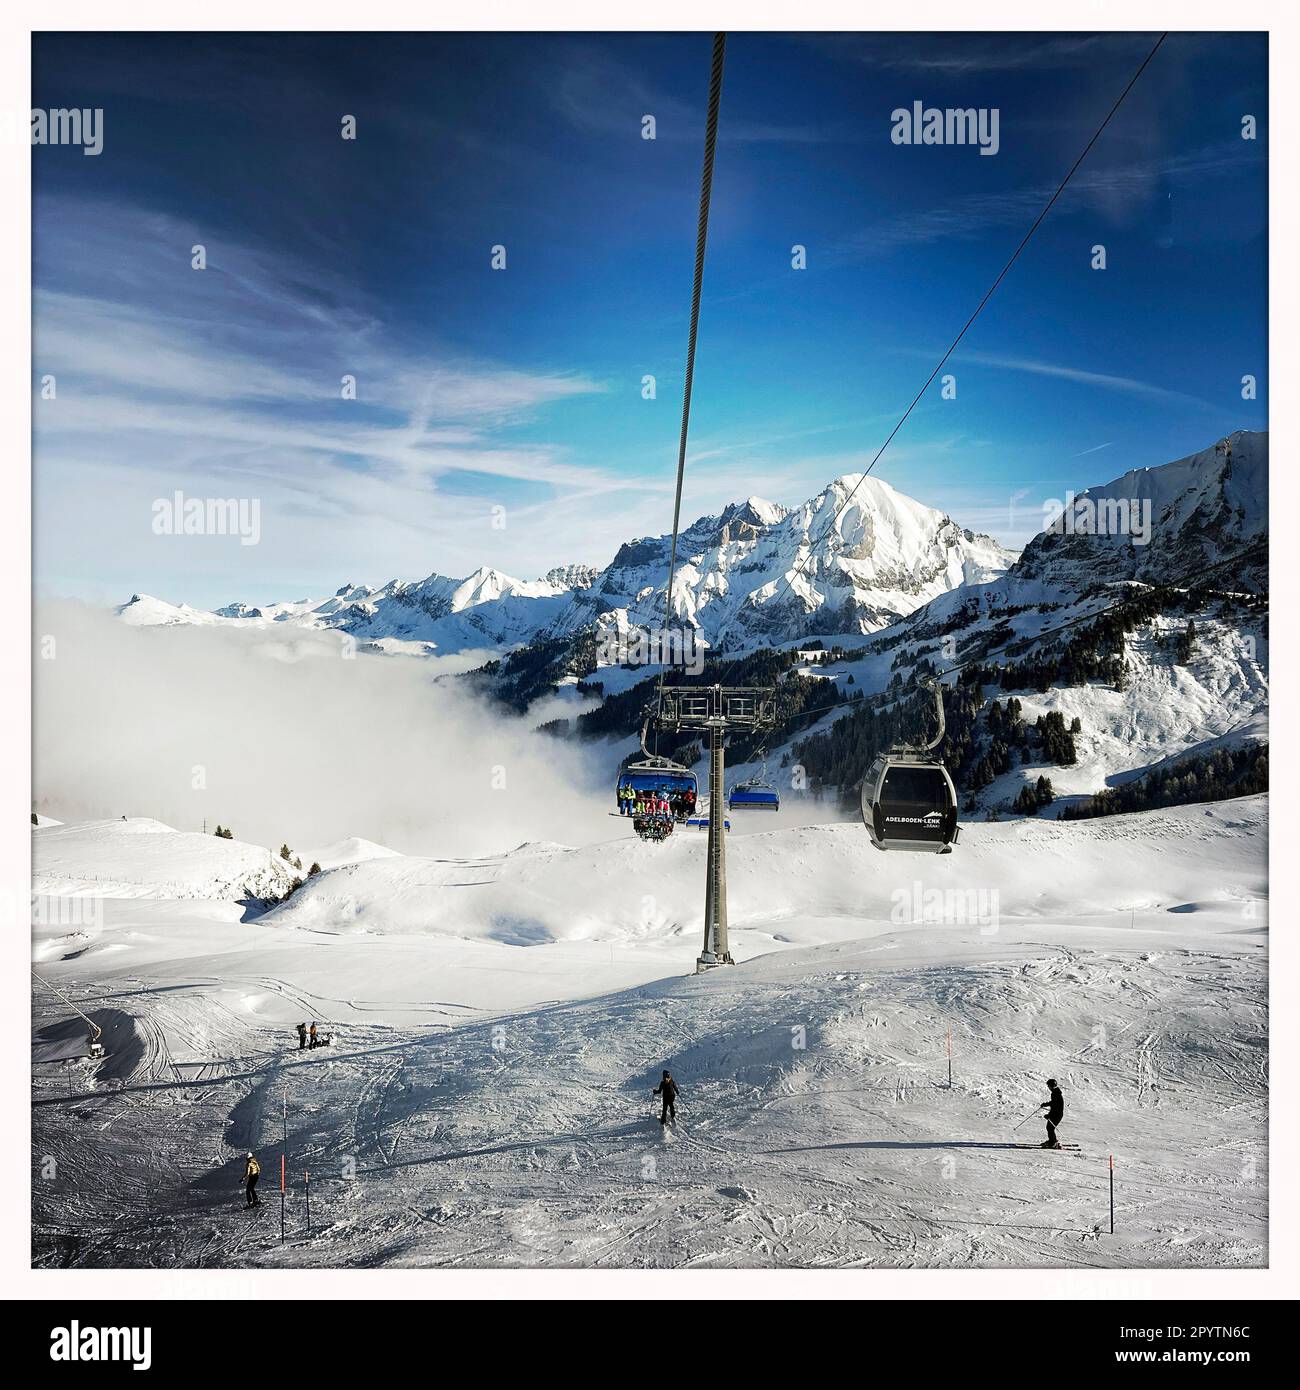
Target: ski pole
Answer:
[[1033, 1112]]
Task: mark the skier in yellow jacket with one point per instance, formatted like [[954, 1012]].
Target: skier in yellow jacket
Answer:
[[252, 1171]]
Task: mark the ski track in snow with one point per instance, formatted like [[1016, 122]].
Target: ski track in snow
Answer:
[[816, 1127]]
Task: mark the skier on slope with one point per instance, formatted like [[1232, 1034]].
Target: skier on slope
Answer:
[[1055, 1108], [302, 1036], [670, 1090], [312, 1033], [252, 1171]]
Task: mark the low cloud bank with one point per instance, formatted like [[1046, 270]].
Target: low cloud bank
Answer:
[[280, 737]]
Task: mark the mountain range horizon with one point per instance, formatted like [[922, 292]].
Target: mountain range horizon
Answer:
[[854, 558]]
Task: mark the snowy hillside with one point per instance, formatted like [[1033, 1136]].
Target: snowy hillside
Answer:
[[143, 610], [1162, 710], [1219, 699], [351, 850], [486, 1103], [1185, 675], [1184, 516], [142, 858], [828, 873]]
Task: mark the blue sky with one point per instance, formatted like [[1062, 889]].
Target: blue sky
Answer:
[[521, 389]]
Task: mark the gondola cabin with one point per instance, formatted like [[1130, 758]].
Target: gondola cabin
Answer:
[[910, 803], [754, 796]]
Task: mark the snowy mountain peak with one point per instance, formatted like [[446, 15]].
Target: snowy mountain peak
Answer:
[[1163, 523], [143, 610], [484, 585], [760, 571], [753, 511], [487, 585], [574, 576], [756, 571]]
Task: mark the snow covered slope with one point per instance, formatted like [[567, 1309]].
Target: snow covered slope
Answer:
[[456, 1121], [143, 858], [1199, 510], [1167, 710], [636, 893], [1163, 709], [143, 610], [351, 850]]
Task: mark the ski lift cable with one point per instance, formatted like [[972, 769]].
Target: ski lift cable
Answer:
[[701, 239], [988, 294]]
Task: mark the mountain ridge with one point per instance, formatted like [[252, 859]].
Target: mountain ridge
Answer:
[[757, 570], [857, 558]]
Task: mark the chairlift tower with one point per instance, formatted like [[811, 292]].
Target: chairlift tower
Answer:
[[719, 710]]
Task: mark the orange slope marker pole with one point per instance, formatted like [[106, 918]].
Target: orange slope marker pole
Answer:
[[284, 1149]]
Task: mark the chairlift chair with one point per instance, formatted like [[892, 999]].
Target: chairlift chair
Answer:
[[651, 773], [657, 774], [700, 820], [754, 796]]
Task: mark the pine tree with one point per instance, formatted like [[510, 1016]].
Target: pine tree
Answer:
[[1186, 644]]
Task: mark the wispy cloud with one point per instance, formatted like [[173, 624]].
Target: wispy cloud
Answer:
[[1111, 189], [1131, 386], [964, 55], [600, 95], [227, 381]]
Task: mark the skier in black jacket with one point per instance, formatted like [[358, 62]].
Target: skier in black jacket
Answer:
[[669, 1089], [1055, 1109]]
